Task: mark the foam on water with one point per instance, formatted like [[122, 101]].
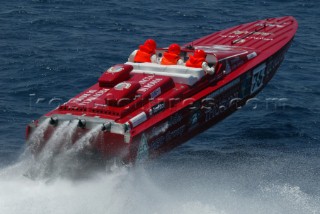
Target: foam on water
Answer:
[[41, 164], [55, 156], [86, 139], [58, 48], [61, 180], [37, 136], [142, 190]]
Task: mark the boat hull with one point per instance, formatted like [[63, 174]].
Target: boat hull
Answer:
[[204, 113], [163, 108]]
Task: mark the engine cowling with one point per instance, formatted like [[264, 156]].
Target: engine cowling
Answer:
[[122, 94], [114, 75]]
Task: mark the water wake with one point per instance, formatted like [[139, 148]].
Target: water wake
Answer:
[[59, 155], [38, 136], [49, 183], [150, 190]]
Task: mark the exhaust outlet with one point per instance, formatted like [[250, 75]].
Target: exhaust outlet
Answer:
[[53, 121], [82, 123], [106, 127]]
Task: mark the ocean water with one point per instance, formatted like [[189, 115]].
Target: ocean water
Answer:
[[263, 159]]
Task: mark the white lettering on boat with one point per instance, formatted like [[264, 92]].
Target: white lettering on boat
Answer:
[[157, 108], [83, 96], [89, 97], [239, 32], [145, 79], [249, 37], [149, 85], [270, 25]]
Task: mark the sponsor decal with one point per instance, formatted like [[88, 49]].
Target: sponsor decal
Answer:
[[163, 134], [146, 86], [271, 25], [83, 96], [145, 80], [157, 108], [170, 135], [249, 37], [155, 93], [239, 32], [258, 35], [221, 103], [138, 119], [257, 77], [89, 96]]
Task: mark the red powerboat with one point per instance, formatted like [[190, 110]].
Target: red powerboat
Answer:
[[136, 111]]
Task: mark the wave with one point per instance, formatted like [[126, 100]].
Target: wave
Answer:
[[155, 188]]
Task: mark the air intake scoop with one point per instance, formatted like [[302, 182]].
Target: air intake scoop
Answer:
[[114, 75]]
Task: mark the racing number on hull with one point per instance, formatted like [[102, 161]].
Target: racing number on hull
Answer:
[[257, 77]]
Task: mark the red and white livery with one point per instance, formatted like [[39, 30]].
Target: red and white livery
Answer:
[[139, 110]]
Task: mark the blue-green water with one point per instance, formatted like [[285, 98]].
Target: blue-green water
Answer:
[[265, 158]]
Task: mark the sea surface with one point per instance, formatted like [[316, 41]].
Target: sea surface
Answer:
[[263, 159]]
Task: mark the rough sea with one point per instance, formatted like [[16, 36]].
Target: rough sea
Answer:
[[263, 159]]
